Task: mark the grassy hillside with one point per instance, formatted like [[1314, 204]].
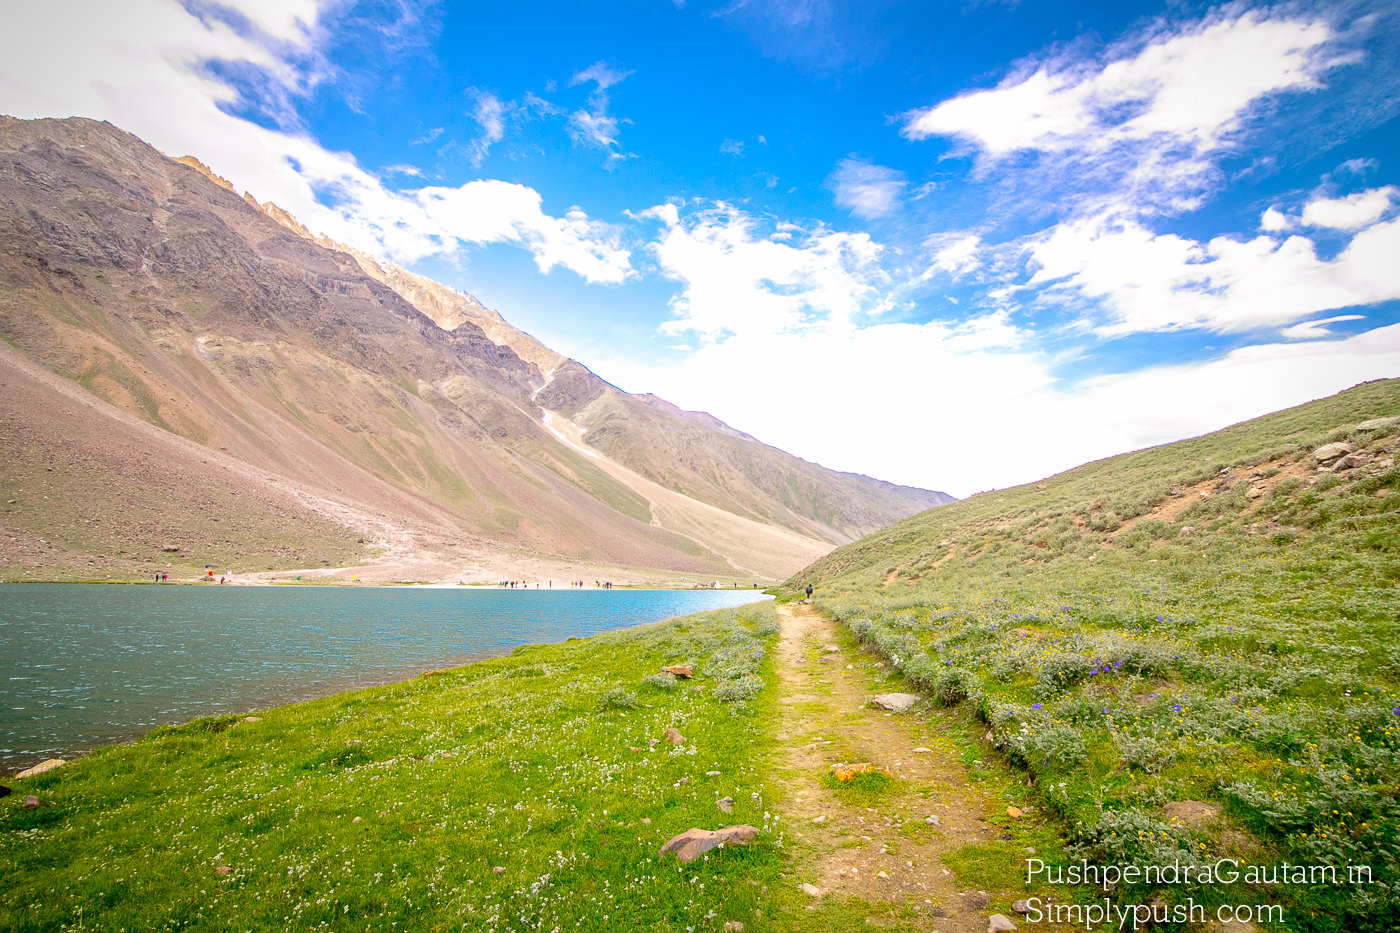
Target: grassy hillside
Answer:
[[1192, 649]]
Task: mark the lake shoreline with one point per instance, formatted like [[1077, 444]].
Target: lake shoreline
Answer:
[[85, 669]]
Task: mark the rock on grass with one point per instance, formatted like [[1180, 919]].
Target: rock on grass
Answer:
[[693, 843], [48, 764]]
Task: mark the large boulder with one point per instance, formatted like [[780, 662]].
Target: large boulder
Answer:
[[693, 843], [1351, 461], [1379, 424], [1332, 451], [48, 764]]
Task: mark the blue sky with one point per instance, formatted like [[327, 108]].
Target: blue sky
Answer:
[[956, 245]]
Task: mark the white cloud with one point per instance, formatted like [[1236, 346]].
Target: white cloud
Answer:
[[1144, 125], [1352, 212], [502, 212], [1314, 330], [865, 189], [1161, 282], [1274, 220], [954, 254], [139, 64], [1193, 87], [737, 280], [667, 213], [734, 147]]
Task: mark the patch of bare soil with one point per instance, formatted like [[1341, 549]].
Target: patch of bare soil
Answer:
[[891, 851], [1254, 477]]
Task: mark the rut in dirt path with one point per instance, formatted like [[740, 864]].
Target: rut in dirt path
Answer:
[[890, 848]]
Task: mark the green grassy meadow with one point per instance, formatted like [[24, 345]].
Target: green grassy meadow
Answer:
[[520, 793], [1191, 649]]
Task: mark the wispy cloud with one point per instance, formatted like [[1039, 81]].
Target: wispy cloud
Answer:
[[490, 114], [865, 189], [601, 74], [1315, 330], [594, 125]]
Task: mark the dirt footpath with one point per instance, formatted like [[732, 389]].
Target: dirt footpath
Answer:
[[882, 847]]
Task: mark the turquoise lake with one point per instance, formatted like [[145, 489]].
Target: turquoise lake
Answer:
[[83, 665]]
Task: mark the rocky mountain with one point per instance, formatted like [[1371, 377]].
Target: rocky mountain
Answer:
[[190, 377]]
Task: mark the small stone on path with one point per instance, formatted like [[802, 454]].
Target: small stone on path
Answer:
[[996, 923], [895, 701], [934, 821], [1014, 812], [811, 890], [1021, 907], [923, 751], [831, 649]]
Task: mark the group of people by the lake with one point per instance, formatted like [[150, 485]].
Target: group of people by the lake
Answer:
[[573, 584], [159, 577]]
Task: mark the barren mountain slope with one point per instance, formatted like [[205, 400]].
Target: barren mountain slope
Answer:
[[689, 452], [150, 284]]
